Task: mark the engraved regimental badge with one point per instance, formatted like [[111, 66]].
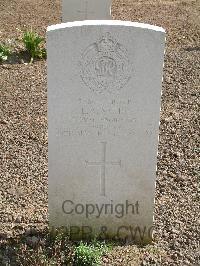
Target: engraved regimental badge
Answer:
[[105, 65]]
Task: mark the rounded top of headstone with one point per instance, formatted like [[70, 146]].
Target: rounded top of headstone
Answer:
[[103, 23]]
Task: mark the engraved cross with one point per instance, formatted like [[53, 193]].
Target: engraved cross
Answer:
[[103, 164], [86, 12]]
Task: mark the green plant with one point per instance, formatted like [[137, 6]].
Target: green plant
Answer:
[[4, 52], [90, 254], [33, 44]]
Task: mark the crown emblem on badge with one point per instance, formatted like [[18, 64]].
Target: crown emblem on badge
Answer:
[[106, 43], [105, 65]]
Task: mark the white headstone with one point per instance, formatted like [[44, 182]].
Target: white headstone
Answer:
[[78, 10], [104, 91]]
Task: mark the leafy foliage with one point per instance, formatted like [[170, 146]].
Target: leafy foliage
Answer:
[[33, 44], [4, 52], [90, 254]]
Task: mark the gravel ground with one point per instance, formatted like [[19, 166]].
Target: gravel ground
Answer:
[[23, 131]]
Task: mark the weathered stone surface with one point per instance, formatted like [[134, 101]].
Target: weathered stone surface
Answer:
[[104, 88], [77, 10]]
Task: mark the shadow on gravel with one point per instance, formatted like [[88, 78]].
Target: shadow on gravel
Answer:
[[40, 248], [191, 49], [36, 248], [21, 57]]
